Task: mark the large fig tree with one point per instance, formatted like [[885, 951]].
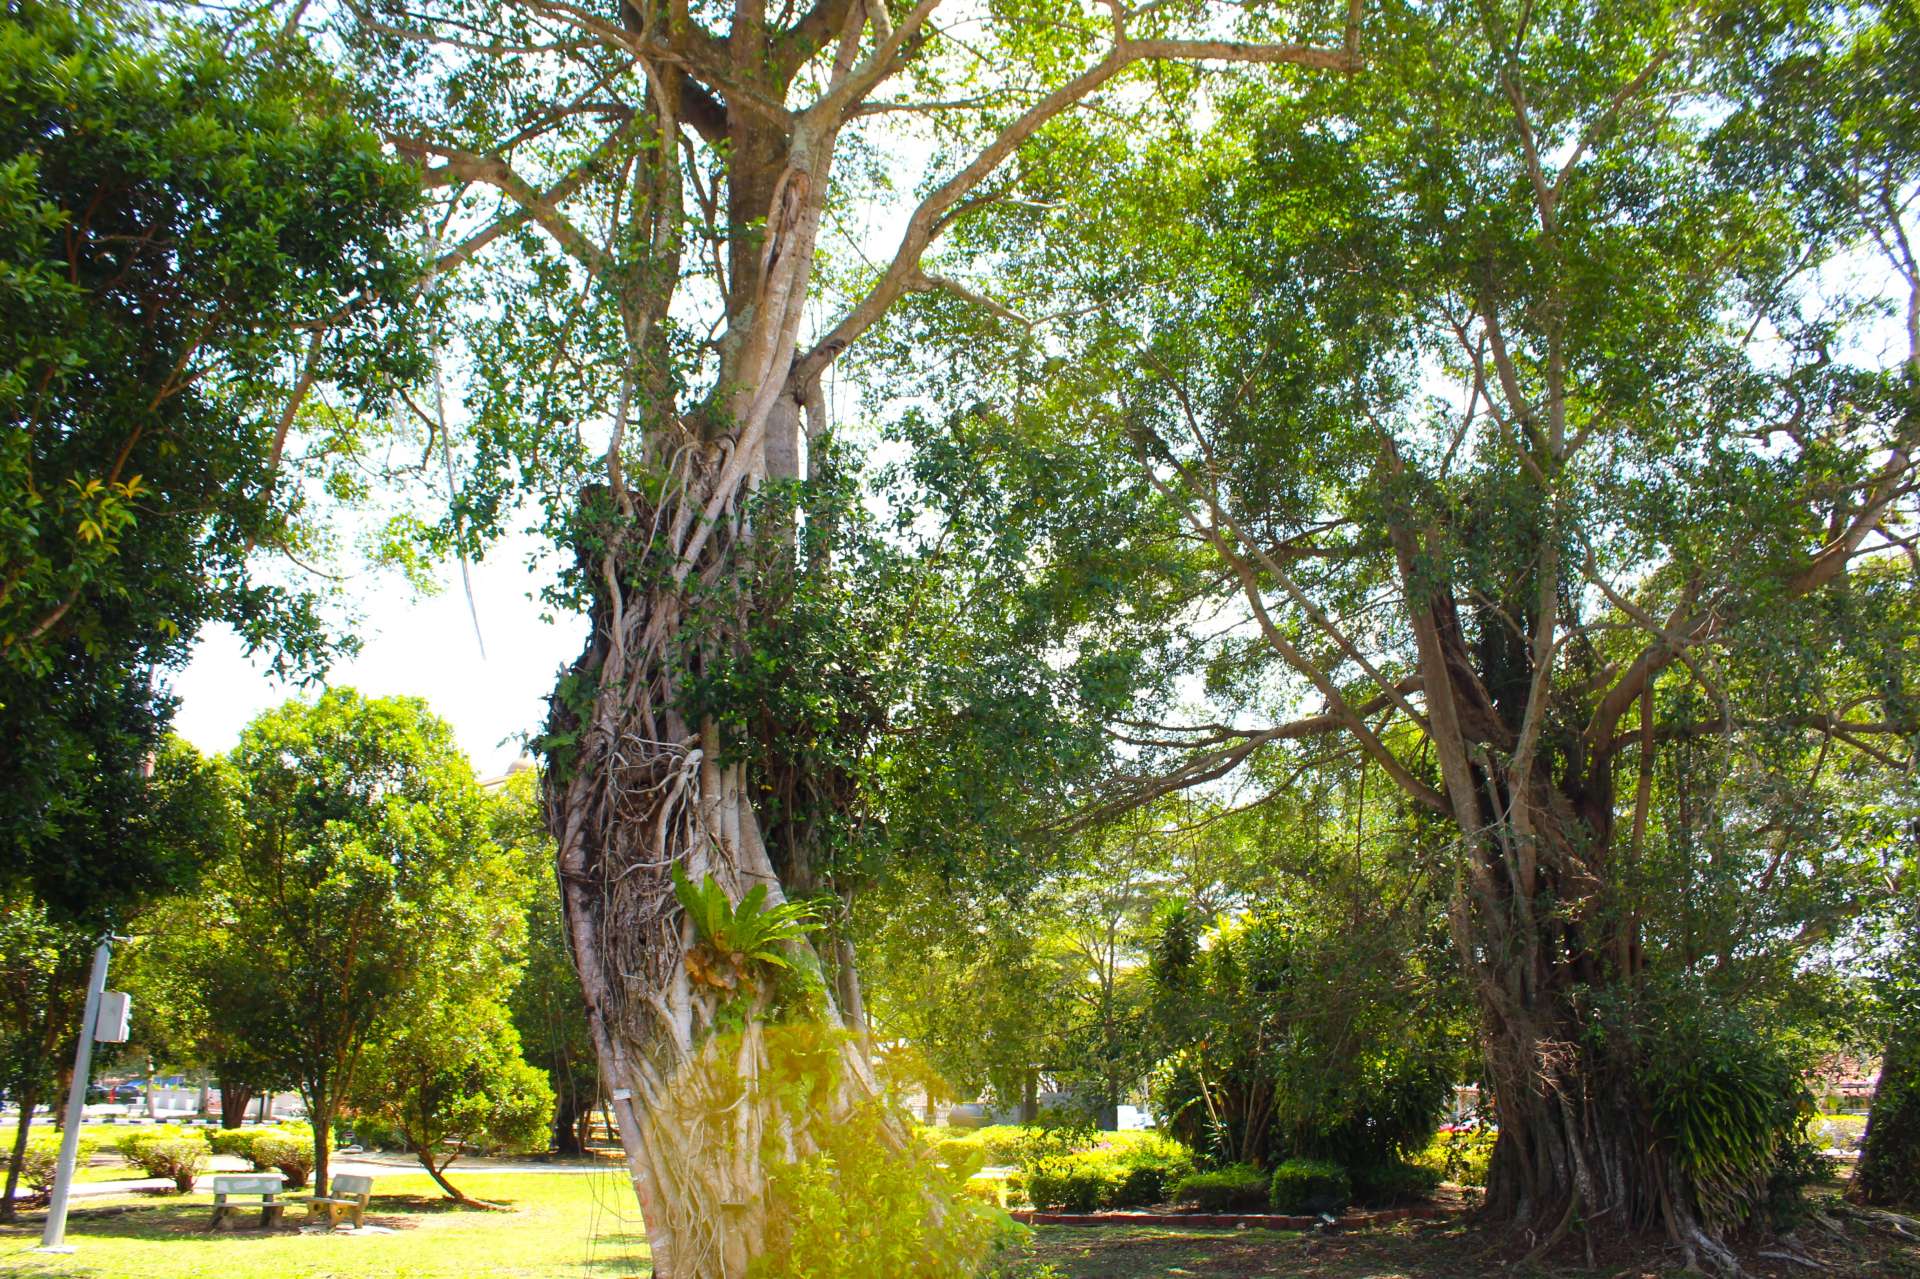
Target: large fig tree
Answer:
[[1533, 398], [672, 210]]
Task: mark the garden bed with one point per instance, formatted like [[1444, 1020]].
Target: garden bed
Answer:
[[1232, 1220]]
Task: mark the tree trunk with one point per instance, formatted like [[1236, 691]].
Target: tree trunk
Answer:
[[642, 792], [566, 1124], [1533, 924], [1889, 1170], [16, 1162], [62, 1085], [234, 1099], [320, 1108]]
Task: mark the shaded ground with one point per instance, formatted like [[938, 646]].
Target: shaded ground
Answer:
[[1426, 1250]]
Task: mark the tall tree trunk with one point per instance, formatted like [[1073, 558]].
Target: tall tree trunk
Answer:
[[62, 1085], [1536, 935]]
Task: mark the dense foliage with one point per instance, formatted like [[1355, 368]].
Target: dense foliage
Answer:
[[181, 218]]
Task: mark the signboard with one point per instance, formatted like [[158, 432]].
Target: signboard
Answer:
[[116, 1013]]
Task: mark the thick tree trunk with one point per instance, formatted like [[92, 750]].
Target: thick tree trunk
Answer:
[[1577, 1140], [1533, 923], [234, 1099], [642, 793], [1889, 1171]]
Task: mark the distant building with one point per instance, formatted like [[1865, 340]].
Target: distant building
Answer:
[[1849, 1078]]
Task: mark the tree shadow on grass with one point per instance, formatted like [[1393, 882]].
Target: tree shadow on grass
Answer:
[[163, 1220]]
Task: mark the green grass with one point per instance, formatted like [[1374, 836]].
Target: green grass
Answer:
[[120, 1171], [1827, 1129], [558, 1225]]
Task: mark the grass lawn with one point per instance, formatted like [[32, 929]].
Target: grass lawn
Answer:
[[579, 1224]]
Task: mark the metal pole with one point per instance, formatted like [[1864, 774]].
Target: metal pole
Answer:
[[53, 1239]]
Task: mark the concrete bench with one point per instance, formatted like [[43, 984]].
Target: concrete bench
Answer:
[[347, 1198], [265, 1185]]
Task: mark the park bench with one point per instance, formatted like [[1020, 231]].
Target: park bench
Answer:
[[348, 1198], [266, 1185]]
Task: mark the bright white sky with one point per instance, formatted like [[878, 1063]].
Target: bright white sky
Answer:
[[417, 647]]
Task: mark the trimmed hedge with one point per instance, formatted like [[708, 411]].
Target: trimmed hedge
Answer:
[[1310, 1186], [1071, 1183], [1130, 1175], [287, 1148], [167, 1151], [1229, 1189]]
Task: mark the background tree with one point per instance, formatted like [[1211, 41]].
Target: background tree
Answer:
[[43, 976], [363, 852], [1497, 388], [46, 951], [449, 1077], [549, 1012], [181, 218], [192, 975]]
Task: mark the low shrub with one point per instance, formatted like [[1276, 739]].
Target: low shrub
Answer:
[[1235, 1187], [1310, 1186], [988, 1190], [287, 1148], [1003, 1144], [1460, 1156], [960, 1157], [1073, 1183], [1149, 1170], [288, 1152], [369, 1132], [1390, 1184], [167, 1151], [43, 1161]]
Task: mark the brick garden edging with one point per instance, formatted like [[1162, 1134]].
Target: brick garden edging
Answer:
[[1238, 1221]]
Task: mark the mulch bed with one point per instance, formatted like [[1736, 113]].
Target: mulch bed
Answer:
[[1232, 1221]]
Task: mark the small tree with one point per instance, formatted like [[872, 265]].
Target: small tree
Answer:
[[452, 1079], [363, 846], [549, 1011]]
